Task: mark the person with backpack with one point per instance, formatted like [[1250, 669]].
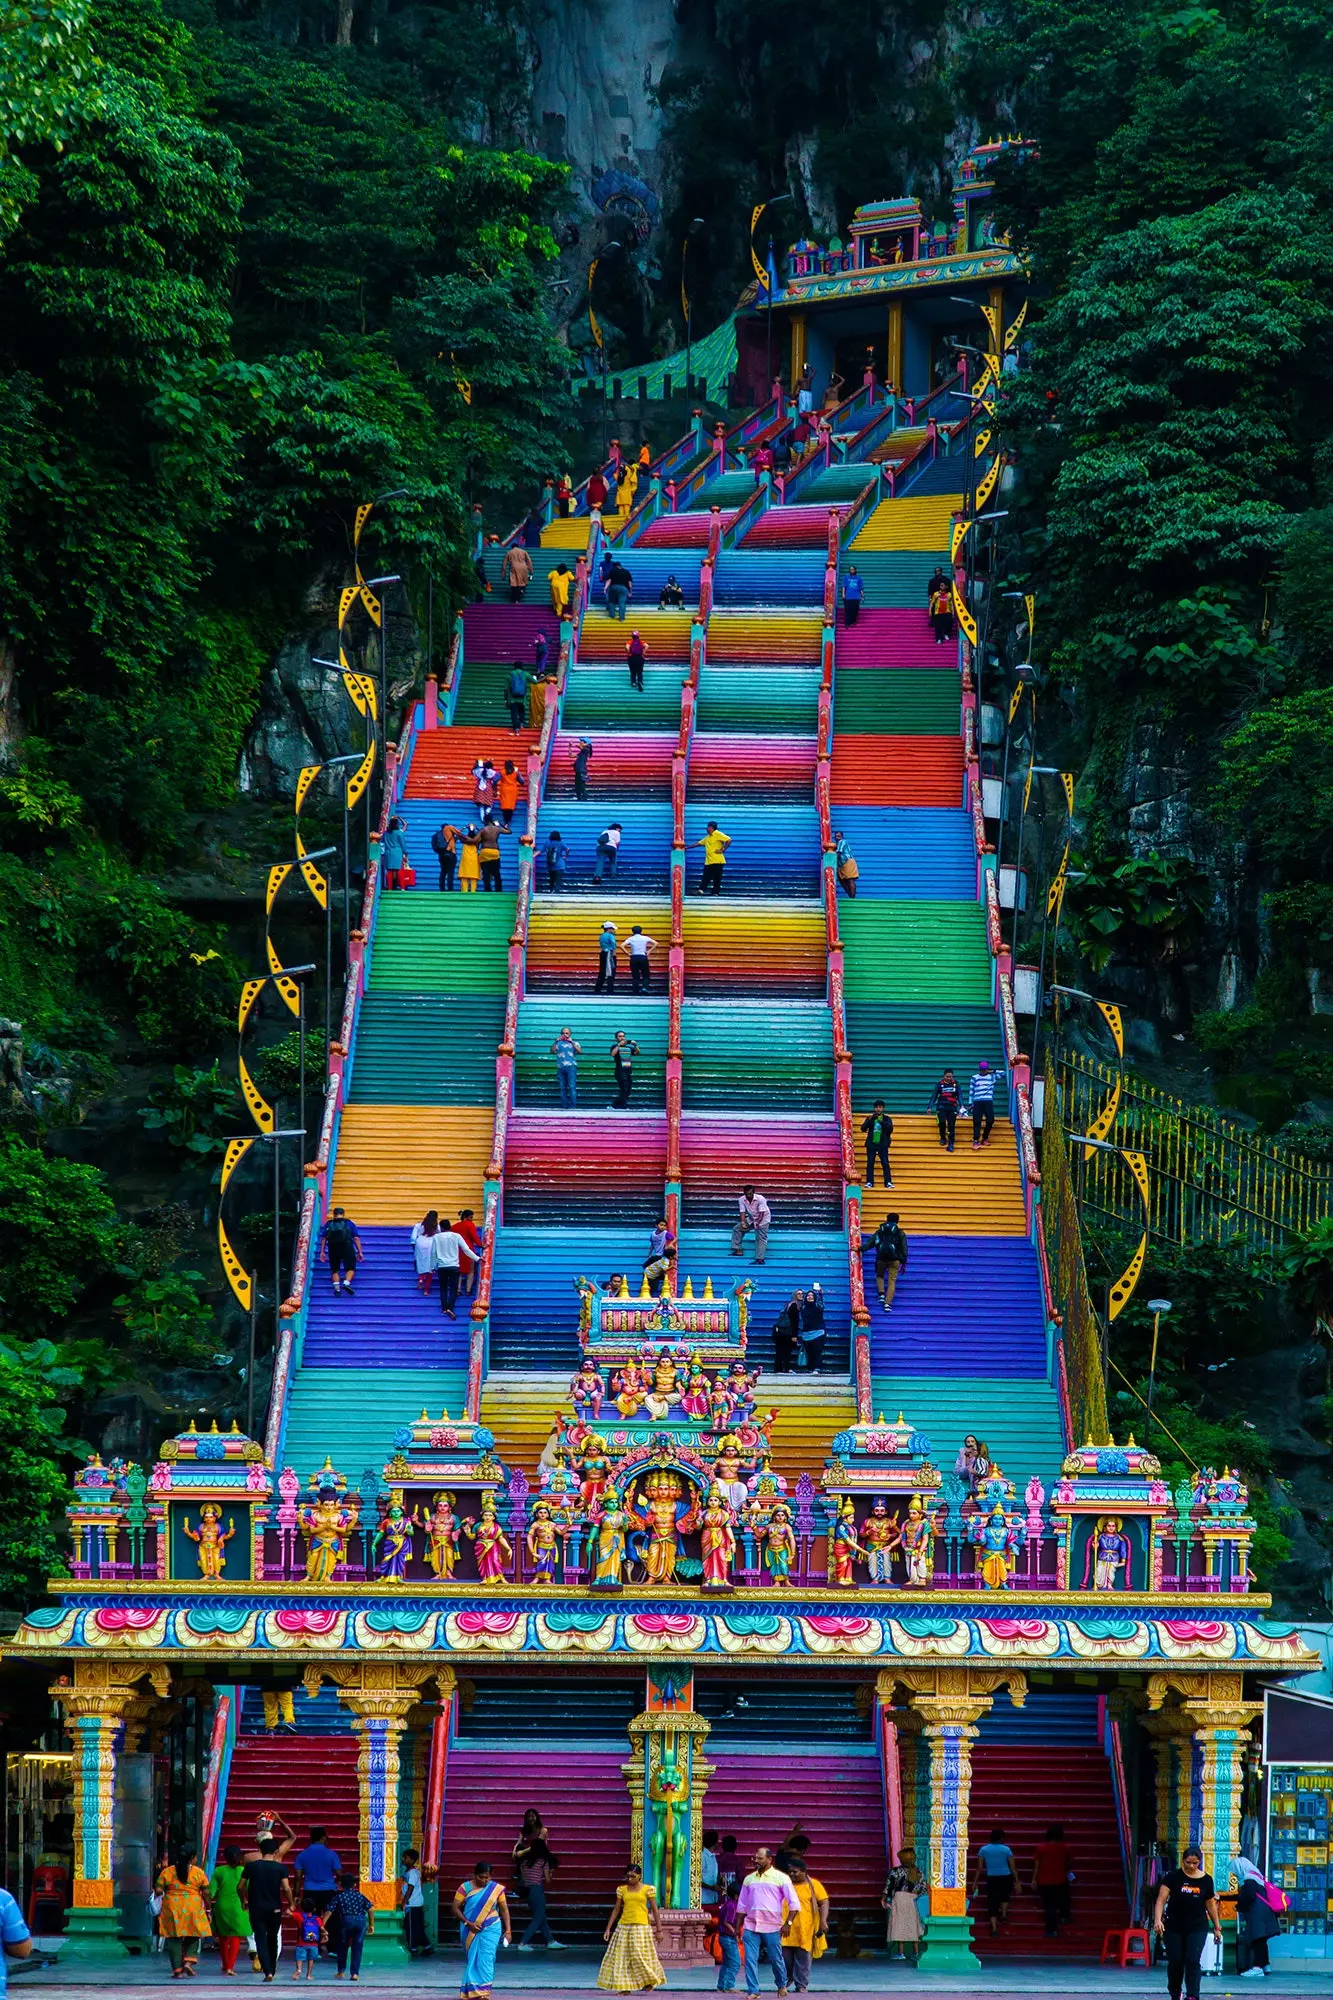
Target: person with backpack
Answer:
[[636, 652], [608, 852], [340, 1248], [945, 1099], [445, 846], [393, 855], [619, 585], [516, 696], [1258, 1904], [606, 959], [557, 861], [423, 1248], [890, 1247]]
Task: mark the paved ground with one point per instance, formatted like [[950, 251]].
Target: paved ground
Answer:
[[537, 1978]]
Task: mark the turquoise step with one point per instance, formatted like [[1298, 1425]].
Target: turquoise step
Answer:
[[759, 701], [351, 1414], [593, 1019], [1019, 1420], [756, 1055], [414, 1048]]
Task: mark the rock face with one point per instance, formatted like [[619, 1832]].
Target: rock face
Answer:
[[597, 64]]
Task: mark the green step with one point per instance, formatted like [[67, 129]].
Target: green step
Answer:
[[899, 1053], [429, 942], [600, 697], [481, 697], [756, 1055], [839, 482], [351, 1414], [759, 701], [543, 562], [1019, 1420], [897, 578], [894, 701], [593, 1018], [416, 1048], [726, 490], [933, 953]]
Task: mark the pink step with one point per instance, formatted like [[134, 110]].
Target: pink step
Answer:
[[839, 1801], [582, 1796], [727, 764], [494, 633], [681, 531], [892, 638], [621, 766]]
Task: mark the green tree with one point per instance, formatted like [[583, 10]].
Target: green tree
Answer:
[[58, 1233], [33, 1470]]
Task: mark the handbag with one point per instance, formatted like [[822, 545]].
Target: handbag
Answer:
[[1210, 1958], [407, 876]]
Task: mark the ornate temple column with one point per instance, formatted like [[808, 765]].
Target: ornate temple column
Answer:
[[909, 1815], [668, 1777], [797, 348], [950, 1702], [379, 1695], [895, 368], [98, 1704], [1212, 1725]]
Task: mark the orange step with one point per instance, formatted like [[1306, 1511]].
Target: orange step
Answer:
[[396, 1161], [949, 1194]]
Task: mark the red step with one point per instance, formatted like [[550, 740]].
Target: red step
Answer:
[[839, 1801], [1025, 1789], [896, 771], [310, 1780], [443, 758]]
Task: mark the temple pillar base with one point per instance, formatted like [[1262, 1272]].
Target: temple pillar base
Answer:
[[386, 1945], [948, 1946], [92, 1936], [680, 1937]]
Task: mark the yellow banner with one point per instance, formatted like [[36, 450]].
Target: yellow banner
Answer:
[[277, 875], [372, 604], [346, 599], [305, 780], [964, 616], [1111, 1016], [1014, 701], [1105, 1119], [231, 1159], [986, 484], [1012, 333], [360, 778], [1067, 780], [1030, 606], [314, 881], [960, 529], [362, 516], [250, 992], [1122, 1291], [981, 444], [237, 1276], [255, 1102], [759, 269], [371, 696], [1055, 894], [288, 988]]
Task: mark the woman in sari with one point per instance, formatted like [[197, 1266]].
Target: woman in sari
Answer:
[[483, 1918], [631, 1964]]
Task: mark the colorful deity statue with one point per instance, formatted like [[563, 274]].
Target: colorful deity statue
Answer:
[[212, 1542], [630, 1385], [845, 1550], [559, 1486], [741, 1385], [543, 1544], [780, 1545], [1110, 1553], [594, 1473], [664, 1388], [493, 1547], [997, 1538], [717, 1540], [729, 1469], [879, 1537], [720, 1405], [694, 1397], [916, 1539], [326, 1523], [613, 1527], [667, 1513], [393, 1540], [668, 1792], [765, 1478], [587, 1390], [441, 1526]]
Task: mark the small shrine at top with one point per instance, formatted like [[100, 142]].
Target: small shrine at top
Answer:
[[890, 295]]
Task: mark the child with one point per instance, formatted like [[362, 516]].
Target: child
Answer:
[[354, 1916], [728, 1936], [412, 1898], [310, 1936]]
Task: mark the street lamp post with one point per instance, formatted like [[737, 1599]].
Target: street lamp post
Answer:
[[1156, 1307], [333, 764], [275, 1140], [611, 249]]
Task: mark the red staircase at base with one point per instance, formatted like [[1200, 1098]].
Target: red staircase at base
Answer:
[[584, 1800], [839, 1802], [310, 1780], [1025, 1790]]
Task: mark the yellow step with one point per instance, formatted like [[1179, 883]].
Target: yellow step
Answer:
[[396, 1161], [911, 524], [949, 1194], [569, 533]]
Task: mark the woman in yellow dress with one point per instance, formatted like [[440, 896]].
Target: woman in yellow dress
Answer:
[[469, 861], [185, 1916], [631, 1964]]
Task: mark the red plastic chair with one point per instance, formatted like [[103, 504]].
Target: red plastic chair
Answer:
[[1113, 1944], [1136, 1948]]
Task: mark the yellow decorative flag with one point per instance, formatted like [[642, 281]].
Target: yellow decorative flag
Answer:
[[255, 1102], [237, 1277], [314, 881], [360, 778], [277, 875], [288, 988], [1111, 1015], [1122, 1291], [305, 779]]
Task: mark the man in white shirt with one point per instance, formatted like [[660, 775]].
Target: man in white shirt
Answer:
[[639, 950], [449, 1248], [755, 1214]]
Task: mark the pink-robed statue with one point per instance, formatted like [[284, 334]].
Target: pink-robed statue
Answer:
[[493, 1549], [717, 1541]]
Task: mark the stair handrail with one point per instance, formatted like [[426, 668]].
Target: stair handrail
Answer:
[[447, 697], [676, 950], [751, 510], [738, 436], [222, 1739], [855, 516], [714, 536]]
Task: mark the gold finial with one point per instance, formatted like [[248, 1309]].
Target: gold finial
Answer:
[[623, 1293], [424, 1418], [902, 1422], [444, 1416], [193, 1430], [880, 1418], [708, 1288], [644, 1292], [688, 1292], [213, 1429], [1131, 1445]]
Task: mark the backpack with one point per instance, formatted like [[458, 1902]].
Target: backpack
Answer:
[[605, 844], [339, 1239], [1277, 1899]]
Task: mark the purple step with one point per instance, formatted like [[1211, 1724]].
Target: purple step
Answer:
[[966, 1305], [499, 632], [386, 1323]]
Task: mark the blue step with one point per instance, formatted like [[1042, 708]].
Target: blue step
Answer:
[[941, 475], [645, 846], [650, 569], [1019, 1421], [775, 849], [386, 1323], [424, 817], [911, 853], [769, 576], [1048, 1716], [322, 1715], [966, 1305]]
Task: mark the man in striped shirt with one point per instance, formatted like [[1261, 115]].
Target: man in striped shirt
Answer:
[[981, 1103]]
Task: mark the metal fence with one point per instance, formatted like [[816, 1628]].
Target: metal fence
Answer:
[[1209, 1179]]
